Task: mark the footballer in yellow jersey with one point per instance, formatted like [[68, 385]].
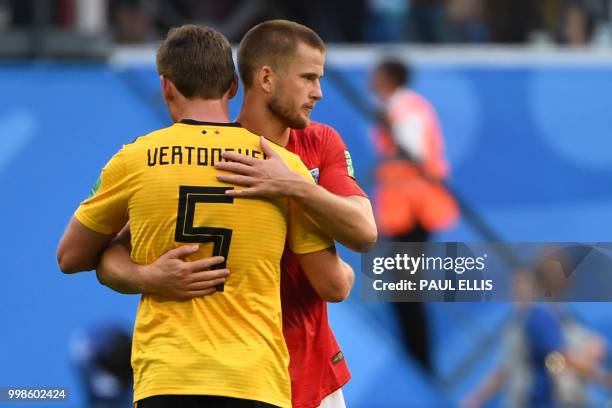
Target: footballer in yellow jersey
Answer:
[[231, 343]]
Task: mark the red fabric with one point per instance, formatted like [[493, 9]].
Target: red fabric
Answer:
[[320, 147], [310, 340]]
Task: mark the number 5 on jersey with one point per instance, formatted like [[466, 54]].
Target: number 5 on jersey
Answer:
[[186, 232]]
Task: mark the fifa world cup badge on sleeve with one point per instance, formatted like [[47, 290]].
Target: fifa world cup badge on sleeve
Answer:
[[349, 164]]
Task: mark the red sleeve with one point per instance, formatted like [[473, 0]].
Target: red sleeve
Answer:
[[336, 169]]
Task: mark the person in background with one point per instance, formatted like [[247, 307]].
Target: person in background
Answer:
[[101, 355], [426, 21], [549, 354], [411, 202], [466, 21]]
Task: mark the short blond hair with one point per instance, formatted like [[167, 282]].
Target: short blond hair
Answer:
[[272, 43]]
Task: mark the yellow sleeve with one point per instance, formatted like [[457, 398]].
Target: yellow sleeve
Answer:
[[304, 236], [106, 209]]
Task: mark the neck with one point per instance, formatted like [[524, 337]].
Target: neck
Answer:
[[214, 110], [389, 92], [257, 118]]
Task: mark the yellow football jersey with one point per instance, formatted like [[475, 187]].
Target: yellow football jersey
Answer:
[[230, 343]]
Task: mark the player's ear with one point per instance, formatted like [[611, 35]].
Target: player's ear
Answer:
[[265, 78], [166, 87], [233, 89]]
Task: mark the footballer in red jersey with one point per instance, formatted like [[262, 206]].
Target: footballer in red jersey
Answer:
[[281, 64], [317, 365]]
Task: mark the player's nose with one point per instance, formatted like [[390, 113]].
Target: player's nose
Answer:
[[317, 92]]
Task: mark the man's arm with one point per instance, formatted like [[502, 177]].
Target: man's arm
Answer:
[[329, 275], [172, 277], [80, 247], [587, 360], [349, 220], [169, 276], [97, 220]]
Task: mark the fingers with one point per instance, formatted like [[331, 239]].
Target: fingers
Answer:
[[267, 149], [244, 181], [182, 252], [206, 284], [237, 168], [239, 158], [208, 275], [245, 193], [206, 263]]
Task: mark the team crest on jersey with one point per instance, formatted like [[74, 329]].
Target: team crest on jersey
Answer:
[[349, 164], [315, 174]]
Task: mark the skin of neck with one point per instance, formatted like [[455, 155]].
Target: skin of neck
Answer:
[[204, 110], [257, 118]]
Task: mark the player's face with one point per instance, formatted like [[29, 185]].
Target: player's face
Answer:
[[379, 84], [298, 88]]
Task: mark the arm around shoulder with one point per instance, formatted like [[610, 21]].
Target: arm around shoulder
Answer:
[[170, 275], [116, 269], [347, 219]]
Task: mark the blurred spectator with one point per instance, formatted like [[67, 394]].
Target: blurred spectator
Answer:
[[580, 18], [131, 22], [334, 20], [426, 22], [410, 201], [467, 21], [549, 354], [572, 22], [24, 13], [575, 22], [101, 355], [386, 20], [232, 17]]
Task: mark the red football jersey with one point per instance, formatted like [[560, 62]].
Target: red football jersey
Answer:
[[317, 365]]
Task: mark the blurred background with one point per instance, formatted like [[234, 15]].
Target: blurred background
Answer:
[[520, 88]]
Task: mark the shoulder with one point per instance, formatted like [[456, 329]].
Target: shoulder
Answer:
[[285, 154], [143, 140], [245, 133], [406, 96], [418, 100], [321, 130], [319, 134], [141, 144]]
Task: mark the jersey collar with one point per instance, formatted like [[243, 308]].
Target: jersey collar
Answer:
[[200, 123]]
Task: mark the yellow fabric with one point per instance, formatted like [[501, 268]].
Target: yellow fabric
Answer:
[[231, 343]]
